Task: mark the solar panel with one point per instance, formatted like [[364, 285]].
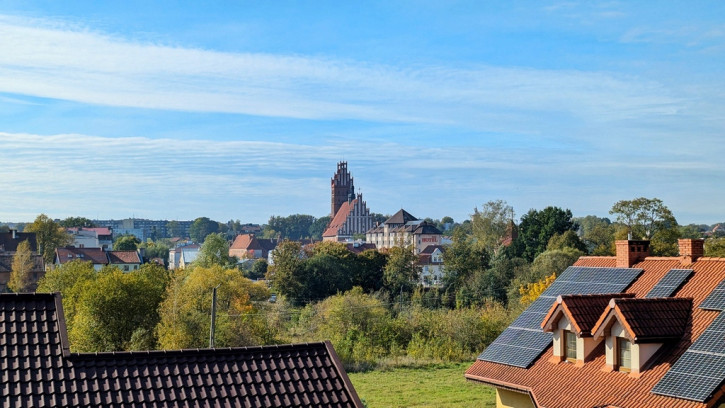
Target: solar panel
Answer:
[[701, 369], [716, 299], [669, 283], [523, 341]]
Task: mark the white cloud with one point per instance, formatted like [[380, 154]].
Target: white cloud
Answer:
[[41, 58]]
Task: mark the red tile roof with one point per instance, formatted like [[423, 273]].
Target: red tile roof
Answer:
[[565, 385], [340, 218], [38, 369], [123, 257], [96, 255], [647, 319], [582, 311]]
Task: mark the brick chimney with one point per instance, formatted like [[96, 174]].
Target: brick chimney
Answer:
[[629, 252], [691, 250]]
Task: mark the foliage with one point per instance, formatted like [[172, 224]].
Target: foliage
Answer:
[[173, 229], [568, 239], [284, 274], [318, 227], [402, 271], [599, 239], [21, 268], [461, 260], [116, 310], [553, 261], [537, 227], [49, 235], [530, 291], [215, 251], [126, 243], [185, 311], [434, 386], [650, 219], [491, 224], [201, 227], [70, 280], [370, 269], [715, 247], [155, 249], [293, 227], [258, 269], [77, 222]]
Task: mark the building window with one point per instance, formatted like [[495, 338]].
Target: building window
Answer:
[[624, 353], [570, 346]]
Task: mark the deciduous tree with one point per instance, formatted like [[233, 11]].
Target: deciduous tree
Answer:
[[201, 227], [650, 219], [22, 266], [537, 227], [215, 251], [402, 271], [49, 235], [126, 243], [490, 225]]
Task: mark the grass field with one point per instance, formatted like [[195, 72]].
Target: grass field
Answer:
[[432, 386]]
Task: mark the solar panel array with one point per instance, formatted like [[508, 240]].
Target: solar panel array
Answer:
[[701, 369], [716, 299], [523, 341], [669, 283]]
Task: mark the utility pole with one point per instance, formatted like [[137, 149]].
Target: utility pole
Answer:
[[213, 317]]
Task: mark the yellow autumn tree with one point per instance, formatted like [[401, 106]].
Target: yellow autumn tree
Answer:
[[530, 291], [22, 267]]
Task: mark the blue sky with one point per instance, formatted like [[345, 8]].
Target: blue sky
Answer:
[[241, 110]]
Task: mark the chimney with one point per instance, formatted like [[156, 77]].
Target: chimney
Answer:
[[691, 250], [629, 252], [13, 231]]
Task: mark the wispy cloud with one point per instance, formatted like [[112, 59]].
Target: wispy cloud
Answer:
[[45, 59], [93, 176]]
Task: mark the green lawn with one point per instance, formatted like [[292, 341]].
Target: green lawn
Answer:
[[431, 386]]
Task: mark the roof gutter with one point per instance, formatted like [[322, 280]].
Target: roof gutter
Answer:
[[505, 385]]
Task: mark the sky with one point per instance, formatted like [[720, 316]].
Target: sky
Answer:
[[241, 109]]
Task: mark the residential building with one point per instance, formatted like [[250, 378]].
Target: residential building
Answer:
[[349, 214], [627, 331], [182, 256], [248, 246], [39, 370], [6, 267], [403, 229], [91, 237], [96, 256], [9, 240], [430, 261], [143, 228], [124, 260]]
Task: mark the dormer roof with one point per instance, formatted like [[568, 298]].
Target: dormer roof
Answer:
[[646, 320], [582, 311]]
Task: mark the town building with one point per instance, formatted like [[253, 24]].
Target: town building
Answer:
[[183, 255], [248, 246], [91, 237], [627, 331], [9, 240], [124, 260], [143, 228], [430, 261], [349, 214], [403, 229], [96, 256], [39, 370]]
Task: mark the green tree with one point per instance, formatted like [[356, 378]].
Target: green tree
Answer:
[[116, 309], [185, 312], [715, 247], [258, 269], [462, 259], [402, 270], [155, 249], [597, 234], [370, 270], [285, 273], [491, 224], [293, 227], [569, 239], [215, 251], [173, 229], [70, 279], [49, 236], [649, 219], [537, 227], [77, 222], [318, 227], [21, 268], [201, 227], [126, 243]]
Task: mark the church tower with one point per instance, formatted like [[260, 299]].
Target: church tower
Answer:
[[342, 188]]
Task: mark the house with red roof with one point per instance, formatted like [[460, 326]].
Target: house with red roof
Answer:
[[248, 246], [627, 331]]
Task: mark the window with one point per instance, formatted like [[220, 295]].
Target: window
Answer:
[[570, 346], [624, 350]]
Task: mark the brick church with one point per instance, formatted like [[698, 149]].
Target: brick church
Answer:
[[349, 214]]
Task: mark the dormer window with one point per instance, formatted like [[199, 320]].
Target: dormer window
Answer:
[[570, 346], [624, 355]]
